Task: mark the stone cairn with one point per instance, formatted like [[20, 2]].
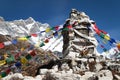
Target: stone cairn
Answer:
[[78, 41]]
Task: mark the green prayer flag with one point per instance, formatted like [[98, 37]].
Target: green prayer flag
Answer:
[[28, 57], [52, 28], [102, 35], [3, 74], [104, 50], [66, 29], [28, 37], [10, 59], [42, 44]]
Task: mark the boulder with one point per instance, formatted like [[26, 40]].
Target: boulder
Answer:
[[105, 75], [91, 60], [43, 71], [98, 66], [87, 75], [28, 78], [38, 77], [16, 76], [117, 76], [65, 76], [65, 67]]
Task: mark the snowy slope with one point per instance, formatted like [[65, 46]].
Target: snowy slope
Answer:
[[20, 27], [26, 27], [111, 53]]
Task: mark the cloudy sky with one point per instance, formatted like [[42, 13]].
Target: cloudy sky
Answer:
[[106, 13]]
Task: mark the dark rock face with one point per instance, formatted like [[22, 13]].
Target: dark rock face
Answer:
[[52, 63]]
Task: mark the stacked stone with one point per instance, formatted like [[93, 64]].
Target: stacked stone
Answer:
[[78, 40]]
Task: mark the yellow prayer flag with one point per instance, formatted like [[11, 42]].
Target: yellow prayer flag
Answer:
[[23, 60], [106, 37], [5, 55], [2, 62], [0, 76], [118, 44], [22, 39], [47, 30], [22, 49]]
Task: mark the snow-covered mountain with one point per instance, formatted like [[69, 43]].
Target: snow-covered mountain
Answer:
[[29, 26], [112, 53], [21, 27]]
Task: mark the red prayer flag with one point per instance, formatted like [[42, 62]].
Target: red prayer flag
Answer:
[[56, 28], [8, 71], [103, 31], [32, 53], [46, 40], [17, 55], [2, 45], [69, 26], [34, 35], [98, 32], [95, 26]]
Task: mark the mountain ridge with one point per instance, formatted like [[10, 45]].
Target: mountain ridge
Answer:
[[21, 27]]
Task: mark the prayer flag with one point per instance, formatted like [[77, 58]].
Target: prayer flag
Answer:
[[34, 35], [28, 37], [23, 39], [3, 74], [102, 35], [7, 43], [69, 26], [106, 37], [118, 46], [14, 41], [42, 44], [32, 53], [47, 30], [1, 45], [57, 28], [2, 62], [23, 60], [46, 40], [28, 57], [8, 70], [18, 64], [112, 40]]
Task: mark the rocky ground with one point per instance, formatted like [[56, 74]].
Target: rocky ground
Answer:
[[85, 69]]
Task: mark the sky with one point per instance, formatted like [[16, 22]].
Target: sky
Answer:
[[106, 13]]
